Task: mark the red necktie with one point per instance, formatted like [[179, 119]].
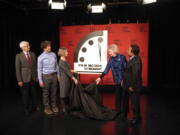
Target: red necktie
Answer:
[[28, 58]]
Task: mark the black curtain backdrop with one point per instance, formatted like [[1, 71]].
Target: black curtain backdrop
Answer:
[[37, 25], [16, 26]]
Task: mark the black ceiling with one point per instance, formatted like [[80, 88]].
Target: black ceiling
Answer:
[[43, 4]]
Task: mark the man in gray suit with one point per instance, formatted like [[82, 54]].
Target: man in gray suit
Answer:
[[26, 74]]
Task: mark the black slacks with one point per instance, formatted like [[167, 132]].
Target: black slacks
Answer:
[[118, 97], [135, 102], [29, 95]]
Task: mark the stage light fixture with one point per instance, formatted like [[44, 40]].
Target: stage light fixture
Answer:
[[149, 1], [96, 8], [144, 2], [57, 4]]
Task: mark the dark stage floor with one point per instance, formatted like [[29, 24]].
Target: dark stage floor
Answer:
[[160, 116]]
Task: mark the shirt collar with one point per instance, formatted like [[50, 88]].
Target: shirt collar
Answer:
[[131, 57], [25, 52], [46, 52], [115, 56]]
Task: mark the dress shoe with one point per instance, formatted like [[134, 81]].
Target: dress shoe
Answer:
[[55, 109], [36, 109], [48, 111], [134, 121], [122, 116]]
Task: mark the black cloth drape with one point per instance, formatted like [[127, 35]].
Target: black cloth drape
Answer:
[[85, 102]]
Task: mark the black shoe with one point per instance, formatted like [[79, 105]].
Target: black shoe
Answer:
[[122, 116], [35, 109], [64, 111], [135, 121], [38, 109]]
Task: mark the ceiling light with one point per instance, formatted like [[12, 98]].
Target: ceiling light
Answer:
[[96, 8], [57, 4]]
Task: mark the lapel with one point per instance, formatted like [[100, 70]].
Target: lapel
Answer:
[[24, 59], [31, 58], [23, 56], [131, 61]]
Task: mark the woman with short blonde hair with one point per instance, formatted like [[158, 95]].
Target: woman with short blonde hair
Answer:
[[117, 64], [114, 48], [62, 52]]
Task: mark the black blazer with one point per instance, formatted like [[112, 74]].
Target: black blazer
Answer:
[[133, 74]]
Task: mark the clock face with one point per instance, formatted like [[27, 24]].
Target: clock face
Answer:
[[91, 53]]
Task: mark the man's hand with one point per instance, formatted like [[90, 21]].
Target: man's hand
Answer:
[[131, 89], [59, 78], [20, 84], [41, 84], [98, 80]]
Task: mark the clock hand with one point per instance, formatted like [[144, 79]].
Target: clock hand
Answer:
[[99, 46]]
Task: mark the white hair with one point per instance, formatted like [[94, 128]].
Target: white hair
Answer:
[[22, 43], [114, 48]]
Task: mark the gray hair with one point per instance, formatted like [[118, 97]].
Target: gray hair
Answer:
[[22, 43]]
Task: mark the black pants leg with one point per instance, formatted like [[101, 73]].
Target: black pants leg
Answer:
[[34, 96], [125, 103], [135, 101], [118, 98], [65, 104], [25, 94]]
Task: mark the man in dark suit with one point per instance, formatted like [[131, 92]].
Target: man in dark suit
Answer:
[[132, 84], [26, 74]]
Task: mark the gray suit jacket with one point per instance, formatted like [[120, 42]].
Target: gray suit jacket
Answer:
[[26, 72]]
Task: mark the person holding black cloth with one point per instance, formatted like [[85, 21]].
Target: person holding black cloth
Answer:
[[117, 63]]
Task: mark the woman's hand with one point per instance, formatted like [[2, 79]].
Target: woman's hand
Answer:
[[98, 80], [75, 80], [72, 71]]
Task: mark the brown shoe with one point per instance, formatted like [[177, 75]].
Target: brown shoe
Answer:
[[55, 109], [48, 111]]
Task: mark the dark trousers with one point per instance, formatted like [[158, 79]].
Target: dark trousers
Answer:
[[29, 95], [135, 102], [49, 90], [118, 97]]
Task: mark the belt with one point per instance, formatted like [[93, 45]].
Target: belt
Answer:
[[49, 74]]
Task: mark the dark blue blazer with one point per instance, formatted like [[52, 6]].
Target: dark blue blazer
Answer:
[[117, 64]]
